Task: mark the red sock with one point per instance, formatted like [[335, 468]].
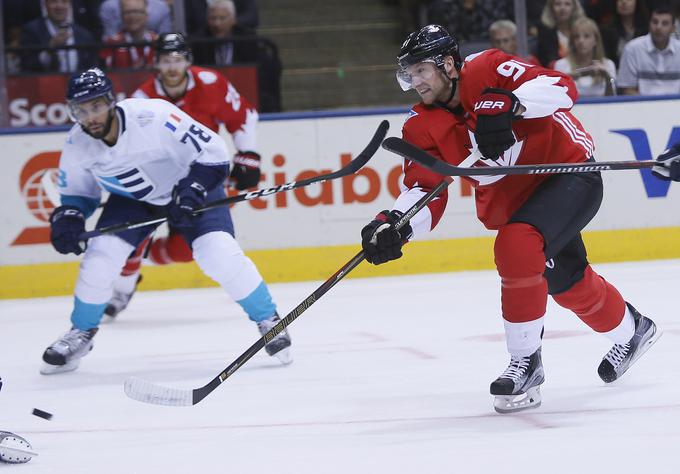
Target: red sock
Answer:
[[170, 249], [520, 261], [134, 262], [595, 301]]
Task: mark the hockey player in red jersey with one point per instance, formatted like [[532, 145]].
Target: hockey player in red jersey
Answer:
[[512, 113], [209, 98]]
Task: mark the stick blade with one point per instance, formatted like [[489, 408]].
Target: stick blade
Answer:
[[148, 392]]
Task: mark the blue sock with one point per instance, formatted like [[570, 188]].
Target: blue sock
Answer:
[[86, 315], [258, 305]]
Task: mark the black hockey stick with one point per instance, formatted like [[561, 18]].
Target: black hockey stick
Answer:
[[351, 168], [413, 153], [148, 392]]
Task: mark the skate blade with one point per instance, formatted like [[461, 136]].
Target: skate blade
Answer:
[[49, 369], [15, 451], [284, 356], [505, 404]]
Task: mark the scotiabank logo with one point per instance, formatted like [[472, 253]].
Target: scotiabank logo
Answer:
[[31, 179], [362, 187]]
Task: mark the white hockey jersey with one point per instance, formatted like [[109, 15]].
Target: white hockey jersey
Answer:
[[157, 143]]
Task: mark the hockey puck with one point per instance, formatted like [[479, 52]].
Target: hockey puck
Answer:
[[42, 414]]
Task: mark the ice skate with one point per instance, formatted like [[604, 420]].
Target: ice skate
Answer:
[[279, 346], [120, 300], [65, 353], [518, 388], [15, 449], [621, 356]]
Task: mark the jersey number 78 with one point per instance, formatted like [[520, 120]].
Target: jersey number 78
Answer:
[[192, 134]]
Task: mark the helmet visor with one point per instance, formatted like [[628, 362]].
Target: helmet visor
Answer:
[[82, 111], [423, 71]]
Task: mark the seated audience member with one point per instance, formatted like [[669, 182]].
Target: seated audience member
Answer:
[[134, 31], [468, 20], [555, 28], [650, 64], [56, 30], [221, 20], [593, 73], [112, 21], [629, 20], [503, 36]]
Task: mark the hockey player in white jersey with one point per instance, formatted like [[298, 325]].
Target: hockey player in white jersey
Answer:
[[152, 158]]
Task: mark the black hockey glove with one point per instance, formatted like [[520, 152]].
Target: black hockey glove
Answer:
[[669, 164], [187, 195], [495, 110], [191, 192], [67, 223], [381, 241], [245, 170]]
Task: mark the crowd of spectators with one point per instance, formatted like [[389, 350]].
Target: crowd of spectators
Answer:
[[65, 36], [607, 46]]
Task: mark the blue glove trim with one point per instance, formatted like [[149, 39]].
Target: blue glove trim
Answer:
[[85, 204]]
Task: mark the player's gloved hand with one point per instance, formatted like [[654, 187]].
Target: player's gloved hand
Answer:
[[245, 170], [67, 223], [381, 241], [187, 195], [669, 164], [496, 110]]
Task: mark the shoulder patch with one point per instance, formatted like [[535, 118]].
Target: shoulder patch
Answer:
[[145, 117], [411, 113], [207, 77], [472, 56]]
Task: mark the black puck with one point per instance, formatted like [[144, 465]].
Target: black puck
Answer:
[[42, 414]]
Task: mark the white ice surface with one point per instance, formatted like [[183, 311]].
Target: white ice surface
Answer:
[[391, 375]]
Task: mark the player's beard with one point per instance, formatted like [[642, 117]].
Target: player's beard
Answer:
[[105, 131]]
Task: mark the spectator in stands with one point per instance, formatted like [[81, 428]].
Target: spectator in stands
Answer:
[[159, 17], [135, 17], [55, 30], [650, 64], [630, 20], [593, 73], [221, 20], [469, 20], [555, 28], [503, 36]]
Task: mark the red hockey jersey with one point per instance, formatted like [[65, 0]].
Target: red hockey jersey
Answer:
[[211, 99], [548, 133]]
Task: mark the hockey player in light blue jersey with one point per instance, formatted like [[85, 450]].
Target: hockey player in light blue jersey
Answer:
[[152, 158]]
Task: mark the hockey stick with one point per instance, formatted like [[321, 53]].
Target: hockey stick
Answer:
[[413, 153], [351, 168], [149, 392]]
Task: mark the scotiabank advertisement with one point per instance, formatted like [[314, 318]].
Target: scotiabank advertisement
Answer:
[[38, 101], [333, 212]]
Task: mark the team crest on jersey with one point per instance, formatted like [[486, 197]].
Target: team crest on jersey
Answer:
[[133, 184], [509, 158]]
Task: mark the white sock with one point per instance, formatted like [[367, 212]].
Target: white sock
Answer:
[[523, 339], [622, 333], [126, 284]]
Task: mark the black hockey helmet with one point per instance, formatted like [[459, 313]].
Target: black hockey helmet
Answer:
[[169, 43], [88, 85], [431, 43]]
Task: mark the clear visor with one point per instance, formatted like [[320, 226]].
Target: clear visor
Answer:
[[415, 73], [84, 111], [174, 61]]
